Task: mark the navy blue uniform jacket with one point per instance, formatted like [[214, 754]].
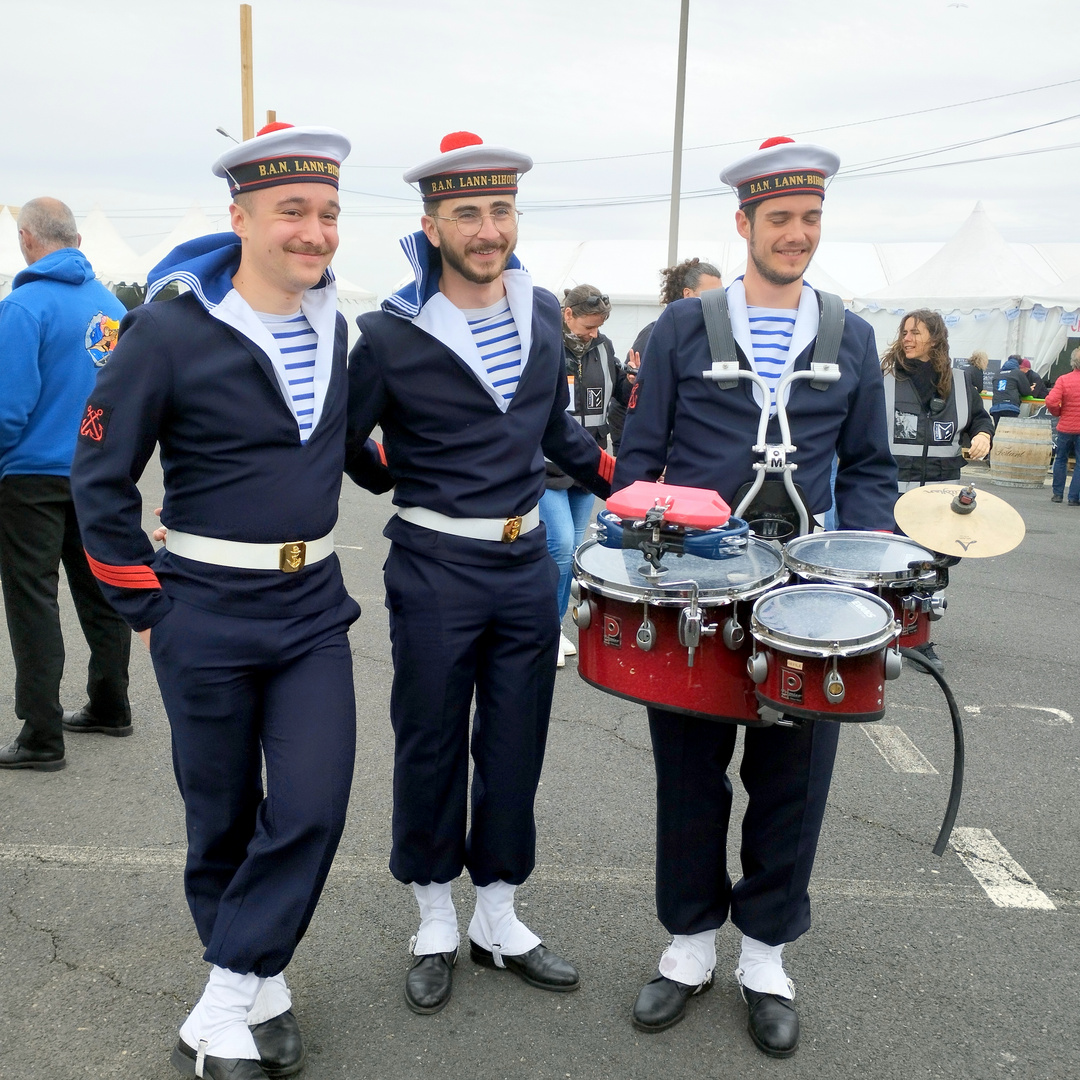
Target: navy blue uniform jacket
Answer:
[[448, 446], [713, 430], [234, 467]]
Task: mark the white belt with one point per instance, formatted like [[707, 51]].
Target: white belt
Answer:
[[288, 557], [504, 530]]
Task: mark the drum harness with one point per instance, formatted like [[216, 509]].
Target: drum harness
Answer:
[[824, 370]]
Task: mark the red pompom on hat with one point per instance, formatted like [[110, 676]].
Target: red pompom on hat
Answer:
[[776, 140], [781, 166], [457, 139], [466, 165], [277, 125]]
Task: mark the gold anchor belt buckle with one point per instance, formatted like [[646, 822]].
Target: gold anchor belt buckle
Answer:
[[511, 529], [291, 557]]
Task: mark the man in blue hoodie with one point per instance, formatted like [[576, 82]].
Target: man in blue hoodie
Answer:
[[58, 327]]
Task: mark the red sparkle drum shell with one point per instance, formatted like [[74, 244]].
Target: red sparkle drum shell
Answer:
[[879, 562], [611, 609], [813, 639]]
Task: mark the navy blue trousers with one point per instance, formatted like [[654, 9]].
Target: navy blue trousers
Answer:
[[236, 691], [457, 629], [786, 773]]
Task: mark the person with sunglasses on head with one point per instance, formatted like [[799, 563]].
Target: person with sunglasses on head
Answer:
[[930, 411], [464, 371], [592, 374]]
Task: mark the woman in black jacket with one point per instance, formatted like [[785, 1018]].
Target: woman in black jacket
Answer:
[[930, 411]]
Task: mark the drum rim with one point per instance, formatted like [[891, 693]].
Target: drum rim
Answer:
[[800, 646], [675, 598], [823, 574]]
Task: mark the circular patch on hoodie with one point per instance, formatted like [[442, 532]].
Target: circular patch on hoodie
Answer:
[[102, 334]]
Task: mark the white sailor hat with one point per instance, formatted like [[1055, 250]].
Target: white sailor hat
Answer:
[[284, 154], [466, 165], [781, 166]]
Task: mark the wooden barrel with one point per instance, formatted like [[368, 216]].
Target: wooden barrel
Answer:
[[1021, 452]]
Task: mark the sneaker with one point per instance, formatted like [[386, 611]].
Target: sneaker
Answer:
[[561, 659], [1056, 498], [928, 654], [568, 647]]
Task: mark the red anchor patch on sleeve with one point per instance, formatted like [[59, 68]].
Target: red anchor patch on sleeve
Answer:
[[95, 422]]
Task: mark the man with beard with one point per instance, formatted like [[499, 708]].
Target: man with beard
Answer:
[[703, 436], [463, 369]]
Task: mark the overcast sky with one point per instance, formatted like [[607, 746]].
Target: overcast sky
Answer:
[[116, 104]]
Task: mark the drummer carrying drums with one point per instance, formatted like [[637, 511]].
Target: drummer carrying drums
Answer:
[[700, 434]]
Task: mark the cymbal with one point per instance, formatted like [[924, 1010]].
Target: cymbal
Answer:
[[926, 514]]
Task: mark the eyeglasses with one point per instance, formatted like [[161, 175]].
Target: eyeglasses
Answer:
[[470, 222]]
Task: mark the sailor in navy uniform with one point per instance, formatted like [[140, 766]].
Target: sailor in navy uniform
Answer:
[[241, 382], [786, 771], [463, 370]]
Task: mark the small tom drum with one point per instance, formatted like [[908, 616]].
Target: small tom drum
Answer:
[[678, 640], [822, 652], [894, 567]]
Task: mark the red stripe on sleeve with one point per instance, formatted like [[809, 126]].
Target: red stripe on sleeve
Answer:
[[123, 577], [606, 468], [382, 453]]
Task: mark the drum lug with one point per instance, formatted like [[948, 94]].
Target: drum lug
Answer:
[[575, 589], [936, 608], [894, 664], [834, 685], [757, 667], [692, 628], [734, 635], [583, 613], [646, 634]]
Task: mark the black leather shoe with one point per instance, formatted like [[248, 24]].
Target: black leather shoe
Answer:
[[1056, 498], [538, 967], [14, 756], [774, 1023], [281, 1050], [184, 1060], [662, 1002], [85, 721], [429, 982]]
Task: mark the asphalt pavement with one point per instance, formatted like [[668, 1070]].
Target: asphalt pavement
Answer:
[[965, 966]]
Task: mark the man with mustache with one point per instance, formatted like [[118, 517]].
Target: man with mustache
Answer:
[[786, 770], [463, 370], [241, 381]]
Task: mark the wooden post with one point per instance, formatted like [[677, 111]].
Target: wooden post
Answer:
[[247, 84], [271, 116], [676, 156]]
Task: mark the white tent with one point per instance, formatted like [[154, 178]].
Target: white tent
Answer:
[[11, 260], [193, 224], [109, 254], [986, 291]]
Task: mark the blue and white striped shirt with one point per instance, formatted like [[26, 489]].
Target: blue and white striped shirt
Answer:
[[499, 344], [771, 330], [295, 365]]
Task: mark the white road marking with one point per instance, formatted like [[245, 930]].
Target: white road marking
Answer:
[[973, 709], [897, 749], [1054, 717], [923, 892], [1005, 881]]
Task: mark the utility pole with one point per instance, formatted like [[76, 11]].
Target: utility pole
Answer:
[[247, 80], [676, 158]]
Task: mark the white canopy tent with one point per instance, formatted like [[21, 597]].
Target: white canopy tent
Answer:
[[987, 292]]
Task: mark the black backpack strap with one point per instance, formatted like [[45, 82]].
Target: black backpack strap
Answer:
[[714, 307], [830, 329]]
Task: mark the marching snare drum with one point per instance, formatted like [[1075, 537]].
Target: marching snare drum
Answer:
[[822, 652], [896, 568], [679, 639]]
